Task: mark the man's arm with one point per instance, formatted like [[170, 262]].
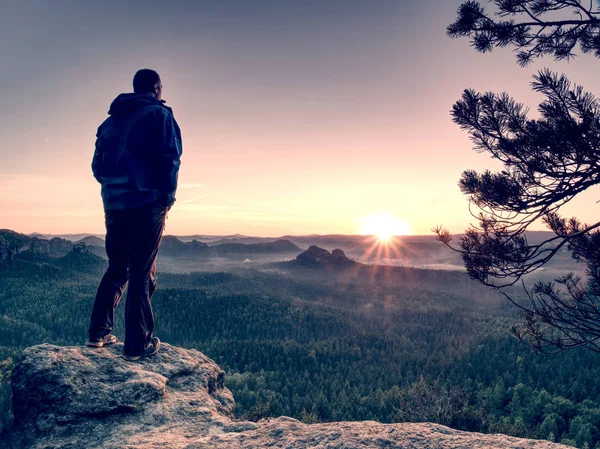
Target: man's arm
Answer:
[[171, 150], [97, 159]]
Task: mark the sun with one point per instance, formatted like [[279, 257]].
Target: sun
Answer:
[[385, 226]]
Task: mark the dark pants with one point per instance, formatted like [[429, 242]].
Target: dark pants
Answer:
[[132, 240]]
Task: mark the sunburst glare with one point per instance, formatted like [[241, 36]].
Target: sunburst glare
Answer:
[[384, 226]]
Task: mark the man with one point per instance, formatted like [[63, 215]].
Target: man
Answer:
[[136, 160]]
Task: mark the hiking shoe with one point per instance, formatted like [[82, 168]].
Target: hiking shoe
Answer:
[[151, 349], [109, 339]]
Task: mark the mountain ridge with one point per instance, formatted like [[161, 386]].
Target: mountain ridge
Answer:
[[414, 251]]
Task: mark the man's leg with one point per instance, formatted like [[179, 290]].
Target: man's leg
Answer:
[[152, 280], [114, 280], [147, 225]]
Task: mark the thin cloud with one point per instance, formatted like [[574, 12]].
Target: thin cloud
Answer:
[[191, 200]]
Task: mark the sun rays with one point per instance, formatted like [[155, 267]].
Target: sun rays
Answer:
[[384, 226], [382, 241]]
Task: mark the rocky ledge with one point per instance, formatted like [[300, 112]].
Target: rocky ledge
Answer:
[[82, 398]]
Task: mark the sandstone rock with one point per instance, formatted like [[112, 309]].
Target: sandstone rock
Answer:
[[80, 248], [316, 256], [284, 432], [339, 258], [79, 398], [83, 398]]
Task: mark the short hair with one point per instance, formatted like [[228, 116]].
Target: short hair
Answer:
[[144, 81]]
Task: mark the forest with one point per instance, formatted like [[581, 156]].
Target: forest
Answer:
[[324, 343]]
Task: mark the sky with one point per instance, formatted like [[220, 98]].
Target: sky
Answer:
[[297, 117]]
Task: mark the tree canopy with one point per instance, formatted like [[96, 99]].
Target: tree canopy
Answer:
[[547, 162], [534, 27]]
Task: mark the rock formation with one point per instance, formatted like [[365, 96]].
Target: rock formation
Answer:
[[91, 240], [339, 258], [83, 398], [316, 256], [80, 248], [13, 243], [171, 246]]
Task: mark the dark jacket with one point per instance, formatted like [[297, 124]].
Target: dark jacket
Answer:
[[138, 150]]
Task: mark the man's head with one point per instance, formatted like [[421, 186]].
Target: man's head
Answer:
[[147, 81]]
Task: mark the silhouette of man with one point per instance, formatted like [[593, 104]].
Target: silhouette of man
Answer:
[[136, 160]]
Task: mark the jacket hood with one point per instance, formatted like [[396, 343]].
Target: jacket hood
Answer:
[[129, 102]]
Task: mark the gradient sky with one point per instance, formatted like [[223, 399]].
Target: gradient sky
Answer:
[[297, 116]]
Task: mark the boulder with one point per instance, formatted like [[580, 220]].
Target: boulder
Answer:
[[84, 398]]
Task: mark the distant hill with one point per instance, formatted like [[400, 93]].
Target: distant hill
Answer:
[[234, 238], [421, 251], [278, 246], [99, 251], [71, 237], [328, 240], [14, 240], [172, 246], [40, 236], [244, 240], [91, 240], [82, 261], [55, 253], [13, 243]]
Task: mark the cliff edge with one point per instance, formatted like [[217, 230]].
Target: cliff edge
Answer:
[[83, 398]]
